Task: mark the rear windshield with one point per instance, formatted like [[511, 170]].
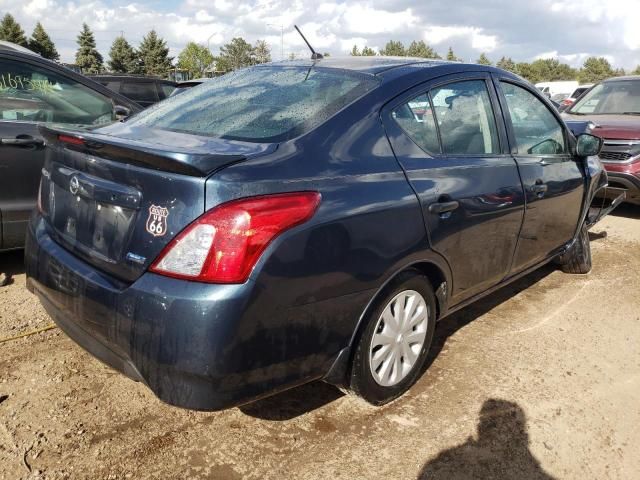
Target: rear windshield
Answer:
[[259, 104]]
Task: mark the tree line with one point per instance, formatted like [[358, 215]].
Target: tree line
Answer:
[[593, 70], [151, 57]]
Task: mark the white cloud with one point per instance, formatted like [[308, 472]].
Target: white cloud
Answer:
[[521, 29], [479, 41]]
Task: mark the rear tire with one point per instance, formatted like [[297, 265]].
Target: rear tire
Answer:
[[395, 340], [578, 258]]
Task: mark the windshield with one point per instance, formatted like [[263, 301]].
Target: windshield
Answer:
[[259, 104], [609, 98]]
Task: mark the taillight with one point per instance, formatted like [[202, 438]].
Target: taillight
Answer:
[[224, 244], [70, 140], [567, 102]]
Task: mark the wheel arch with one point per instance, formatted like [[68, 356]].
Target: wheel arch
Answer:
[[440, 279]]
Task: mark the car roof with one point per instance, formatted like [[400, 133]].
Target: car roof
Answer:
[[120, 76], [13, 47], [622, 79], [372, 65]]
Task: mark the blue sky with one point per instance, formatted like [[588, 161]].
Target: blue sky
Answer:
[[524, 30]]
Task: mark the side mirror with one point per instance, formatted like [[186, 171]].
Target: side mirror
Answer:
[[588, 145], [121, 113]]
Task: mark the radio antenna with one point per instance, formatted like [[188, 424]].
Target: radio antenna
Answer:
[[314, 55]]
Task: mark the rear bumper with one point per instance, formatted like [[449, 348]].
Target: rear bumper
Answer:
[[620, 182], [197, 346]]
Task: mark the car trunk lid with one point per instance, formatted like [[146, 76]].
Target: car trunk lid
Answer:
[[117, 201]]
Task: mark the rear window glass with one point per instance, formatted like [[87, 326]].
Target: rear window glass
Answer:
[[140, 91], [259, 104]]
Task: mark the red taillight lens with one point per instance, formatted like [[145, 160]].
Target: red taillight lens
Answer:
[[224, 244], [567, 102], [71, 140]]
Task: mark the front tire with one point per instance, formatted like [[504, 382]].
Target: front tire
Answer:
[[578, 258], [396, 339]]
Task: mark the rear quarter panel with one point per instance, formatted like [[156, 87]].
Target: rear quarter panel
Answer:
[[314, 282]]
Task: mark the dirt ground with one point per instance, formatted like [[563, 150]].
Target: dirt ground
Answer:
[[540, 380]]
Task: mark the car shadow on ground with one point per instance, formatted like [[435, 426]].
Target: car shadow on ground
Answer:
[[306, 398], [11, 263], [627, 210], [499, 450]]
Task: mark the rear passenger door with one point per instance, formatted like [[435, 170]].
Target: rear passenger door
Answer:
[[450, 139], [553, 179]]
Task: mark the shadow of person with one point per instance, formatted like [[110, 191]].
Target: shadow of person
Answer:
[[501, 450]]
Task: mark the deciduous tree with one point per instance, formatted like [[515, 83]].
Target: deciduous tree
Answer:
[[595, 69], [195, 59], [236, 54]]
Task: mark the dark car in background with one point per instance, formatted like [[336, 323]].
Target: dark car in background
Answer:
[[35, 91], [143, 90], [182, 87], [613, 109], [304, 220]]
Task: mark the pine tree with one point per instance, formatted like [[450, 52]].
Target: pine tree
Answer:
[[41, 43], [421, 50], [483, 60], [122, 57], [261, 52], [237, 53], [154, 55], [636, 71], [87, 57], [11, 31], [355, 52], [368, 52], [506, 64], [452, 56], [393, 49]]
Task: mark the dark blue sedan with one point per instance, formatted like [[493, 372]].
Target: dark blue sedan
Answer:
[[304, 220]]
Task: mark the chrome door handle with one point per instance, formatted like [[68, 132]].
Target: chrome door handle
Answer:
[[22, 142], [443, 207]]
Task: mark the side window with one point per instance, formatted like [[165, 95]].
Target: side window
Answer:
[[416, 119], [167, 89], [114, 86], [140, 91], [35, 94], [536, 129], [465, 118]]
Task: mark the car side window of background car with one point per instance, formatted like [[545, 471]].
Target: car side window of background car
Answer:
[[416, 118], [465, 118], [140, 91], [537, 131], [35, 94]]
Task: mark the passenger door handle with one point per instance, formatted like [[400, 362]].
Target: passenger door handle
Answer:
[[539, 189], [443, 207], [22, 142]]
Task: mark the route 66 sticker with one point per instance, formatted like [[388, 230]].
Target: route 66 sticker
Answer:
[[157, 221]]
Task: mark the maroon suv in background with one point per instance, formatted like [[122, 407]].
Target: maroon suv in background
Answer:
[[613, 107]]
